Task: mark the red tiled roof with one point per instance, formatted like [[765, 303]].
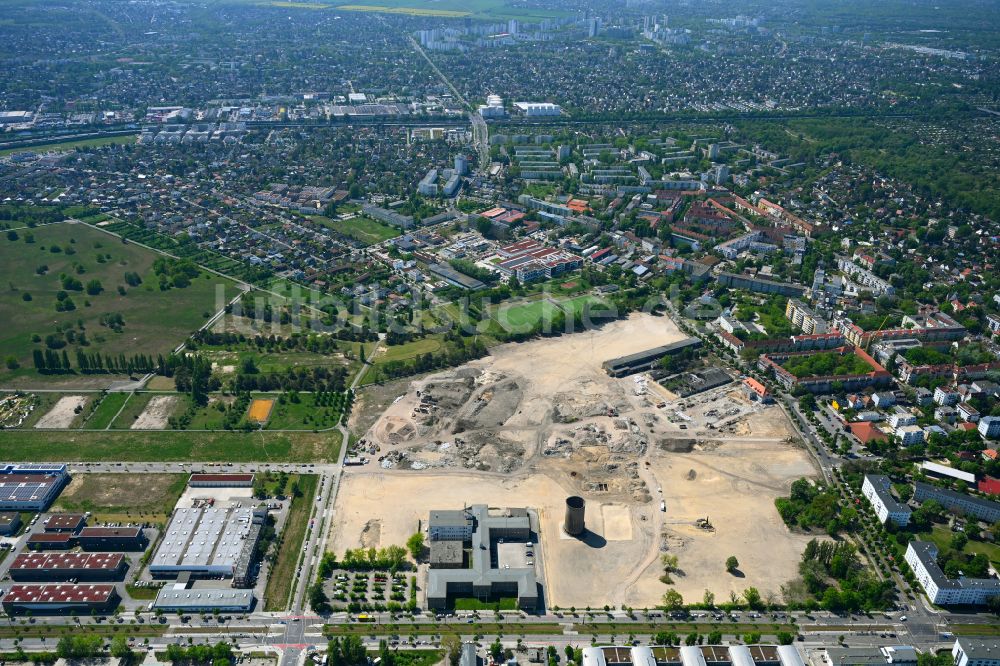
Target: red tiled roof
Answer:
[[866, 432]]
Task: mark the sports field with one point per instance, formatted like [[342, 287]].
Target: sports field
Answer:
[[260, 409], [585, 304], [360, 228], [523, 317], [153, 321]]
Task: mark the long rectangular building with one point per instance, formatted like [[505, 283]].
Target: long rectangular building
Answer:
[[112, 538], [221, 481], [209, 542], [876, 488], [922, 558], [646, 360], [692, 655], [198, 600], [978, 507], [89, 567], [30, 487], [55, 599]]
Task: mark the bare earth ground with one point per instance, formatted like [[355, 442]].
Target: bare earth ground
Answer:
[[156, 414], [62, 413], [538, 421]]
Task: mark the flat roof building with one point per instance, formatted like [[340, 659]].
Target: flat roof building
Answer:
[[922, 558], [89, 567], [30, 487], [902, 655], [196, 600], [970, 505], [976, 652], [877, 488], [484, 579], [221, 481], [55, 599], [209, 542], [10, 523], [65, 522], [112, 538], [646, 360], [50, 541]]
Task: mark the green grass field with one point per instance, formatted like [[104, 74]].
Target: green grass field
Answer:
[[409, 350], [472, 604], [523, 317], [581, 304], [941, 536], [360, 228], [281, 577], [106, 410], [115, 497], [404, 352], [64, 146], [154, 321], [302, 415], [137, 445]]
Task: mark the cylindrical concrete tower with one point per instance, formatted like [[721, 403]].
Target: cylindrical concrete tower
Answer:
[[574, 523]]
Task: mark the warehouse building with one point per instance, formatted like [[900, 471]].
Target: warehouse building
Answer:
[[65, 522], [484, 579], [42, 599], [221, 481], [81, 567], [184, 598], [50, 541], [646, 360], [112, 539], [10, 523], [30, 487], [692, 655], [210, 542], [890, 655]]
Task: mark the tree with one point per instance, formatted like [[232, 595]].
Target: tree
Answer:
[[496, 650], [732, 564], [394, 556], [94, 287], [318, 600], [452, 644], [708, 599], [672, 600], [784, 638], [751, 638], [120, 648], [415, 544], [714, 638], [752, 596]]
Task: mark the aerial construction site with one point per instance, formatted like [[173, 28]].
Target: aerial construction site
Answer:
[[539, 421]]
